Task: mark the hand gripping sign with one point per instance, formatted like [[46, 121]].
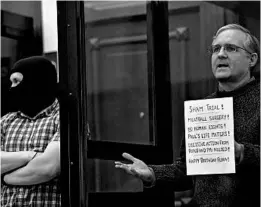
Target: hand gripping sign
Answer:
[[209, 134]]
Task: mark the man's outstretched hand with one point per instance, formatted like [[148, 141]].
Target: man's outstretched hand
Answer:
[[138, 168]]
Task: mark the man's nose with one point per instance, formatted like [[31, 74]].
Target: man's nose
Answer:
[[222, 53]]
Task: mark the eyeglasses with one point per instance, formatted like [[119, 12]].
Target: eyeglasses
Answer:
[[230, 48]]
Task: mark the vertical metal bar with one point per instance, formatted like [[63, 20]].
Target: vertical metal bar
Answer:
[[71, 51], [159, 77], [63, 79], [160, 90]]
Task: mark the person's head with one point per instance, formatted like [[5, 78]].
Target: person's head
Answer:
[[235, 54], [33, 85]]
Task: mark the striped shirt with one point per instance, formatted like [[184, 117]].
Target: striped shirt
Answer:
[[22, 133]]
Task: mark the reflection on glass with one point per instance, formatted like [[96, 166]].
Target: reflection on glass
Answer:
[[116, 48], [104, 177]]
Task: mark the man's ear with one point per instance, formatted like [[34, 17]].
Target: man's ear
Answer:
[[253, 59]]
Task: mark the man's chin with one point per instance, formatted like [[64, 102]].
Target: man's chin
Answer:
[[222, 77]]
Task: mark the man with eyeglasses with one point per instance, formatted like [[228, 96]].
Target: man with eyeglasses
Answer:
[[235, 65]]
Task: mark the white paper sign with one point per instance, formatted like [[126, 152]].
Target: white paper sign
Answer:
[[209, 130]]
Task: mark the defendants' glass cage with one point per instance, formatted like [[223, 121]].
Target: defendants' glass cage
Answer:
[[127, 67]]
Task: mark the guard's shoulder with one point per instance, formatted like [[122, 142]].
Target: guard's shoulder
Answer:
[[8, 117]]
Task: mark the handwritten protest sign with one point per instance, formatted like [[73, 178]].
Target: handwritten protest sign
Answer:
[[209, 129]]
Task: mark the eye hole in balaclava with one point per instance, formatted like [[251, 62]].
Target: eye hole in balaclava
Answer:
[[38, 88]]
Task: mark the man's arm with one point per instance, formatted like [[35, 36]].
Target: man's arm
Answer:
[[173, 175], [41, 169], [250, 155], [13, 160]]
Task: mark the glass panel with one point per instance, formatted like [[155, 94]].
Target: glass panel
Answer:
[[117, 75], [185, 69], [8, 46], [104, 177]]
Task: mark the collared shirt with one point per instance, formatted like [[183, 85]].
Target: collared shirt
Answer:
[[22, 133]]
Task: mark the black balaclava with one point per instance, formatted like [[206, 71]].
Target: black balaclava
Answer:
[[37, 90]]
